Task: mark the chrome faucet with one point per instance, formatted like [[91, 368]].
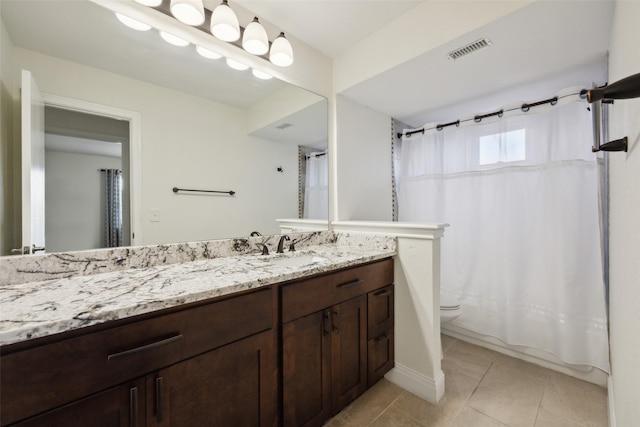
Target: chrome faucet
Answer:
[[265, 248], [280, 249]]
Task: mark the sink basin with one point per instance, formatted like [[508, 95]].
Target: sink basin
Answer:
[[298, 261]]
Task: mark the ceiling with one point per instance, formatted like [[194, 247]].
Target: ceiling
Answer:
[[537, 41]]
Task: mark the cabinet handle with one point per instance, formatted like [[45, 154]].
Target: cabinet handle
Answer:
[[336, 318], [382, 338], [144, 347], [326, 319], [382, 293], [350, 283], [133, 407], [159, 399]]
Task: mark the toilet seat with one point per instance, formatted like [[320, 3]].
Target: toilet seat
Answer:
[[448, 303]]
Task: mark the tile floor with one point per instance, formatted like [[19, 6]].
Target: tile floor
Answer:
[[483, 389]]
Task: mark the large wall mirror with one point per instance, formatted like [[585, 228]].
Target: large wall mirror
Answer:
[[164, 116]]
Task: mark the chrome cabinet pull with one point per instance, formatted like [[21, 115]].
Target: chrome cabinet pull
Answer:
[[383, 293], [133, 407], [144, 347], [350, 283], [159, 399]]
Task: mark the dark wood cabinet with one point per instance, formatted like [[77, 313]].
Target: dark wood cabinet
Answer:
[[326, 361], [222, 351], [380, 344]]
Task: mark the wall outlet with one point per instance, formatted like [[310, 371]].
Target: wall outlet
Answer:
[[155, 215]]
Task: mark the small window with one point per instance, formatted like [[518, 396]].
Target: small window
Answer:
[[502, 147]]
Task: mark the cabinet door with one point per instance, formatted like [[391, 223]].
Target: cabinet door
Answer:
[[305, 370], [234, 385], [348, 351], [121, 406]]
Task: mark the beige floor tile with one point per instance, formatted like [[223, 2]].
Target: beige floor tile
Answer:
[[472, 418], [447, 342], [458, 389], [468, 359], [393, 417], [509, 396], [371, 404], [573, 401]]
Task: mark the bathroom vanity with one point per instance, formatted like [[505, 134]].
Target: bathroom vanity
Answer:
[[280, 340]]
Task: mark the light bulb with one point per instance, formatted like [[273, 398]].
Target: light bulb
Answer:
[[281, 52], [236, 65], [224, 23], [207, 53], [133, 23], [261, 74], [174, 40], [191, 12], [254, 39], [150, 3]]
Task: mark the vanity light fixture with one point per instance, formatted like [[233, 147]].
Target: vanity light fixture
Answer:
[[261, 74], [281, 52], [208, 53], [191, 12], [224, 23], [255, 39], [174, 40], [236, 65], [150, 3], [133, 23]]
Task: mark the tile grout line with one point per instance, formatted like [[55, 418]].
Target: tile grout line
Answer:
[[387, 407]]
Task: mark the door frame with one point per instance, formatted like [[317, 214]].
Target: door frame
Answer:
[[135, 151]]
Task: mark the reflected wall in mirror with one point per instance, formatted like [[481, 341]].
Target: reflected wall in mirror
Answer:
[[201, 124]]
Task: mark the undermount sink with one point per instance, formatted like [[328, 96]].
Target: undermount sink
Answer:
[[298, 260]]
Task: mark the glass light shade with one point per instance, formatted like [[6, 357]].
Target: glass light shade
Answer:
[[174, 40], [191, 12], [224, 23], [151, 3], [133, 23], [281, 52], [207, 53], [236, 65], [254, 39], [261, 74]]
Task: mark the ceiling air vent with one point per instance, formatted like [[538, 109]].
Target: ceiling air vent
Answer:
[[469, 49]]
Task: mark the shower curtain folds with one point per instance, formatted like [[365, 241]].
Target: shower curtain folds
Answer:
[[113, 207], [523, 252]]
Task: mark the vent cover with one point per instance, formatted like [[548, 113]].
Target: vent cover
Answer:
[[469, 49], [284, 126]]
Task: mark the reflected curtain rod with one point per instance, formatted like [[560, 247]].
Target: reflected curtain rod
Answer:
[[478, 118], [176, 189], [315, 155]]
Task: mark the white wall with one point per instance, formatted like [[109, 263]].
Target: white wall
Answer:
[[624, 305], [364, 163], [74, 197], [9, 150], [188, 142]]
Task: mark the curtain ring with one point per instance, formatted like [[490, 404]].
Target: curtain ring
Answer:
[[554, 101], [477, 119], [525, 107]]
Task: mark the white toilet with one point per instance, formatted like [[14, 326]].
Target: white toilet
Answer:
[[449, 308]]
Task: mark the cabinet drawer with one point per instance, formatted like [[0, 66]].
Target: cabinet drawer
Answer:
[[308, 296], [43, 377], [380, 356], [380, 311]]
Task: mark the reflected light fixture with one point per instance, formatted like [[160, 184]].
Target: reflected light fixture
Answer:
[[174, 40], [281, 52], [236, 65], [261, 74], [150, 3], [255, 39], [224, 23], [191, 12], [133, 23], [208, 53]]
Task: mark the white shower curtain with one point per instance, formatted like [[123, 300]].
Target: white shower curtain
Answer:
[[316, 191], [523, 252]]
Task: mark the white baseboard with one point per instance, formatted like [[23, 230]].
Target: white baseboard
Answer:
[[419, 384], [610, 403]]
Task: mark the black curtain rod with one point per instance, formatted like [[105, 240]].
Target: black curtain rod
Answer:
[[316, 155], [478, 118]]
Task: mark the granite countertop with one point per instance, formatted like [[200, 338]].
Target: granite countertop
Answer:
[[36, 309]]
